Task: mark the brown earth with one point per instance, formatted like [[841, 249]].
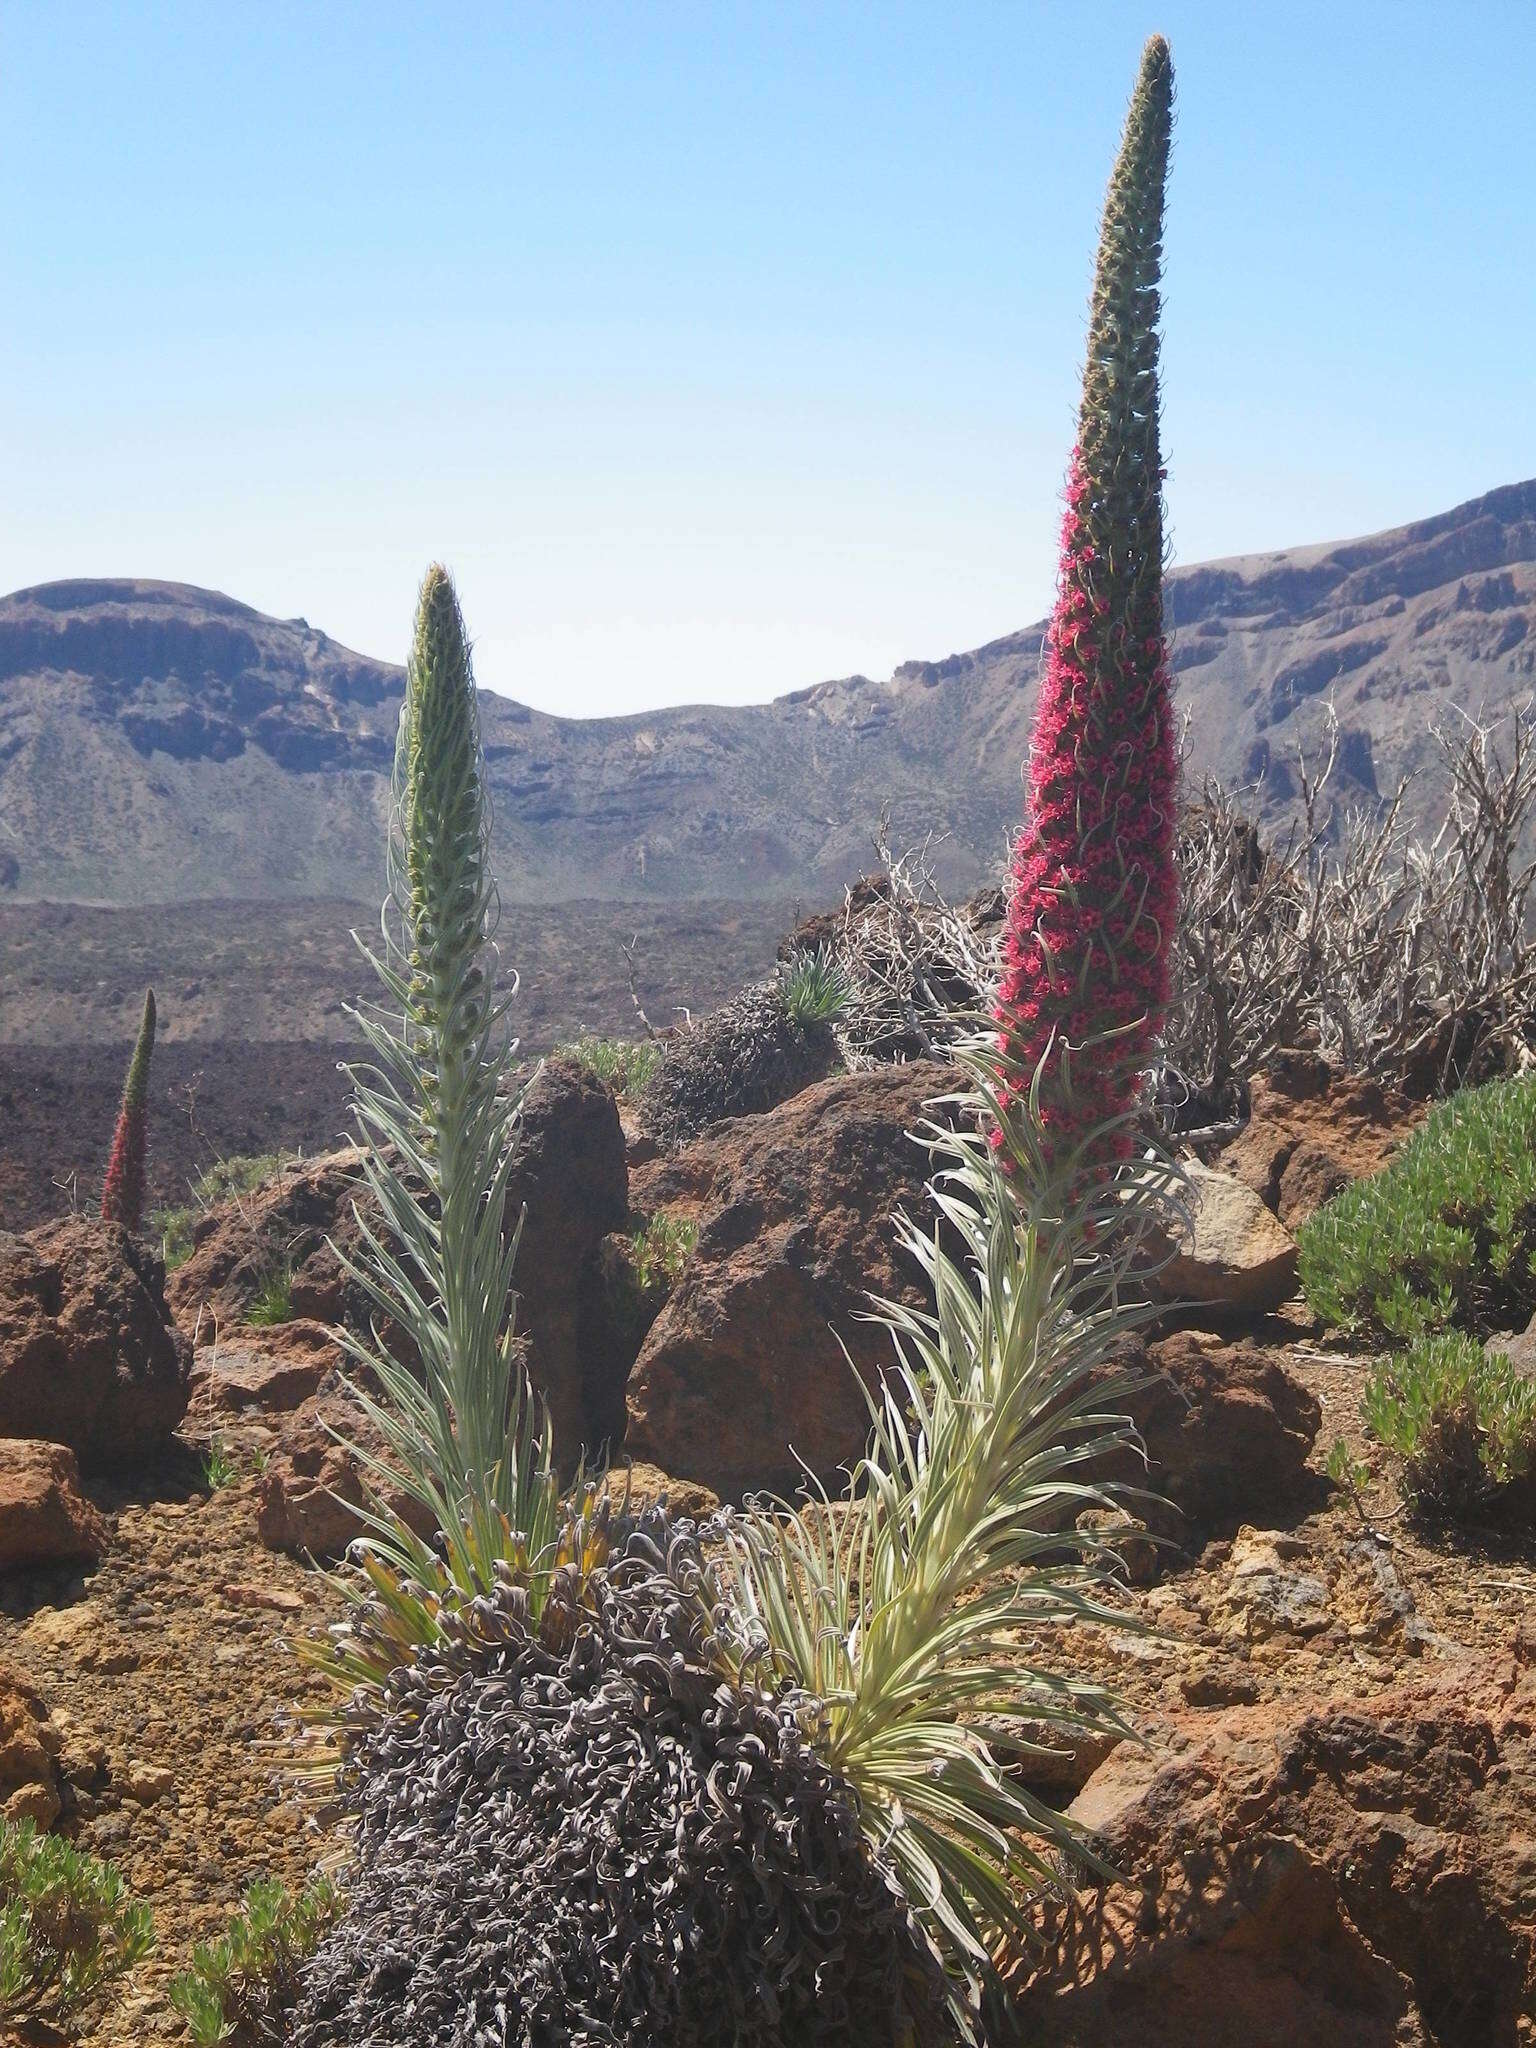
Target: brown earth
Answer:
[[1322, 1834], [252, 1024], [166, 1665]]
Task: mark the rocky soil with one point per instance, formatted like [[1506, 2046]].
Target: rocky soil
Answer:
[[1323, 1825], [162, 1670]]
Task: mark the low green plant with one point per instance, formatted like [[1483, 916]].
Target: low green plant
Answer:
[[659, 1250], [624, 1065], [220, 1466], [1464, 1421], [241, 1174], [68, 1927], [238, 1984], [1351, 1475], [272, 1302], [816, 987], [174, 1229], [1443, 1238]]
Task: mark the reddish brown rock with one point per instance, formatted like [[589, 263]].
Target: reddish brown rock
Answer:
[[742, 1370], [44, 1517], [89, 1356], [272, 1370], [1361, 1872], [284, 1223], [1310, 1134], [571, 1176], [311, 1483], [1227, 1429], [30, 1742]]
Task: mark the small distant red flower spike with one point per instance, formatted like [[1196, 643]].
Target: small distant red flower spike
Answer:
[[1094, 899], [122, 1193]]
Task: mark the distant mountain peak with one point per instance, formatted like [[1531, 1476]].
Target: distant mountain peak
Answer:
[[160, 742]]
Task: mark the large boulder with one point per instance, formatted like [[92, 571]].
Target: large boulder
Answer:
[[1358, 1871], [1310, 1133], [285, 1223], [570, 1174], [44, 1517], [1227, 1428], [742, 1373], [311, 1482], [89, 1356]]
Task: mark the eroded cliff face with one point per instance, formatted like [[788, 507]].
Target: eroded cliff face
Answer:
[[159, 743], [195, 676]]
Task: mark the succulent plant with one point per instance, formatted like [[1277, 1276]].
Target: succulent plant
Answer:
[[1094, 894], [122, 1194], [572, 1829], [467, 1440]]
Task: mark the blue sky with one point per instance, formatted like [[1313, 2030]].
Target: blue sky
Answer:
[[722, 349]]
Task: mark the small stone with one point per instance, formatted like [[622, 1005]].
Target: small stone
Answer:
[[1219, 1685], [148, 1782], [272, 1597], [1127, 1538]]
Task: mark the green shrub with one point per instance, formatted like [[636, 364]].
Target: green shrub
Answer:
[[67, 1925], [816, 987], [1444, 1237], [659, 1250], [622, 1064], [273, 1300], [238, 1984], [1464, 1421]]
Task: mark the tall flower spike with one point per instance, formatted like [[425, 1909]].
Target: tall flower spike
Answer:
[[468, 1438], [1095, 888], [122, 1193]]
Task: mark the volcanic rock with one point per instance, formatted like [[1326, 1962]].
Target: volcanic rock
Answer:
[[89, 1356], [1227, 1428], [284, 1223], [1310, 1133], [1237, 1255], [44, 1517], [311, 1483], [274, 1370], [30, 1742], [1359, 1871], [572, 1177], [743, 1371]]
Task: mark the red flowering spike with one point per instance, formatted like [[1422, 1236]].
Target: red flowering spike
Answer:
[[1086, 954], [122, 1194]]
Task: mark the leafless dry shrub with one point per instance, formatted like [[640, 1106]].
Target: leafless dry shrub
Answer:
[[1344, 935], [917, 966], [1390, 956]]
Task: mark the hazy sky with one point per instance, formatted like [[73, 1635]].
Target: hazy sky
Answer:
[[720, 349]]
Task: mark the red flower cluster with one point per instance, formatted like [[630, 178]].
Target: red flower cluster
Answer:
[[122, 1194], [1095, 888]]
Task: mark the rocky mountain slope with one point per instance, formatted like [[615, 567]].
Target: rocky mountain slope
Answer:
[[159, 743]]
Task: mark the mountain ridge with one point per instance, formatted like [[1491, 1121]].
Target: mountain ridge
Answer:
[[160, 742]]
